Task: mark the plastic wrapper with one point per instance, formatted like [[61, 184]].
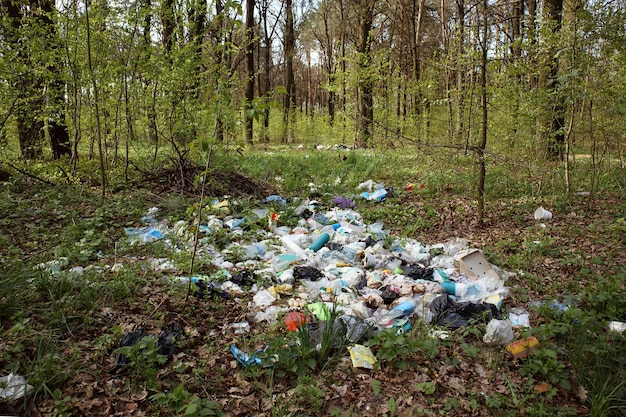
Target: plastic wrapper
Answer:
[[362, 357]]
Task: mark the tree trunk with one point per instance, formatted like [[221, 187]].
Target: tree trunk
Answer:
[[29, 86], [264, 68], [169, 23], [555, 108], [57, 127], [483, 131], [248, 116], [290, 97], [460, 72], [365, 109], [94, 85]]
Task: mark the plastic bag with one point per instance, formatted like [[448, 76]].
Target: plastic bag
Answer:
[[263, 298], [499, 332], [454, 315]]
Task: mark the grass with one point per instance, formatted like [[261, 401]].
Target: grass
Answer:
[[56, 328]]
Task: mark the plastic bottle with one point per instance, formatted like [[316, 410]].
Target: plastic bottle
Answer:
[[293, 247], [466, 290], [319, 242]]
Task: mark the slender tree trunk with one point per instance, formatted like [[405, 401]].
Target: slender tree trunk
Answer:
[[94, 85], [365, 108], [532, 41], [169, 23], [483, 131], [555, 108], [248, 117], [265, 64], [290, 97], [460, 72], [57, 127]]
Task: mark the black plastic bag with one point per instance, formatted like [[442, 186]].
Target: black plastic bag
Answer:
[[448, 313], [416, 271], [307, 273]]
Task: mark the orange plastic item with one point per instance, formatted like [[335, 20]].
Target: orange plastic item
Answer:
[[522, 348], [294, 320]]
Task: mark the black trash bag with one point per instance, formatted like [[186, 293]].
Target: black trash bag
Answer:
[[167, 339], [448, 313], [389, 294], [242, 277], [416, 271], [205, 290], [166, 343], [333, 246], [369, 241], [128, 339], [307, 272]]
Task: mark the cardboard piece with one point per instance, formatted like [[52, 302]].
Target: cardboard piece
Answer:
[[473, 264]]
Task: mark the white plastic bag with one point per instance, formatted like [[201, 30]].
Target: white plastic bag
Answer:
[[499, 332]]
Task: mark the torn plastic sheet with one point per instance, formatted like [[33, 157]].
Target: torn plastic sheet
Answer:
[[146, 234], [14, 387]]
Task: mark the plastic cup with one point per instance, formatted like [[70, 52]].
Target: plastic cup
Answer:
[[542, 214]]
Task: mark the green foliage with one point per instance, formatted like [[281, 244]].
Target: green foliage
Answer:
[[403, 350], [183, 403], [311, 348], [144, 360]]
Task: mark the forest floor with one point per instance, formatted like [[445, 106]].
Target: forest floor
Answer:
[[569, 257]]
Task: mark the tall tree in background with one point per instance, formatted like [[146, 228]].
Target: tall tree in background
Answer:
[[460, 70], [248, 110], [55, 86], [265, 62], [365, 85], [554, 126], [40, 102], [290, 50]]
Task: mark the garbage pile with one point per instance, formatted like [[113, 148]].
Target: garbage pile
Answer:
[[332, 261]]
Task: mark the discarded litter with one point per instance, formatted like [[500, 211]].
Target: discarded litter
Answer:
[[245, 359], [165, 343], [343, 202], [14, 387], [145, 234], [242, 327], [499, 332], [294, 320], [331, 264], [454, 315], [617, 326], [542, 214], [519, 317], [362, 357], [522, 348]]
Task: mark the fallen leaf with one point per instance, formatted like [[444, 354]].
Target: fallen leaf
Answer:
[[540, 388]]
